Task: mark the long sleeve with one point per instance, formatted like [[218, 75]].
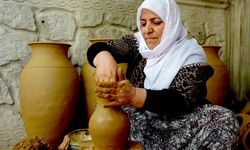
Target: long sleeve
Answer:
[[121, 49], [94, 49], [187, 91], [166, 101]]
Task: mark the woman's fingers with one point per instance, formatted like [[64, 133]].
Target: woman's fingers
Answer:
[[122, 92], [107, 96], [108, 90], [109, 84], [112, 104], [105, 78], [108, 76], [120, 74], [114, 90]]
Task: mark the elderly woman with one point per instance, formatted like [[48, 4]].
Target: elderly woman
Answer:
[[164, 92]]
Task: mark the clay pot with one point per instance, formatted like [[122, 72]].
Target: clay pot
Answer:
[[49, 88], [80, 139], [109, 127], [218, 84], [95, 40], [88, 84], [88, 81]]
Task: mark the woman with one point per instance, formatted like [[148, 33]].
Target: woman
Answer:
[[165, 87]]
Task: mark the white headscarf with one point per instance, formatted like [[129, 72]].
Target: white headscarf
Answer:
[[174, 50]]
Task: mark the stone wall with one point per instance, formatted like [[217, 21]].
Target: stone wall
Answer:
[[71, 21], [77, 21]]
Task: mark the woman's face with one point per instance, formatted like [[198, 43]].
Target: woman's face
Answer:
[[151, 28]]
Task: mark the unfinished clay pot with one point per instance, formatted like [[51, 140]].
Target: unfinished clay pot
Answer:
[[109, 127]]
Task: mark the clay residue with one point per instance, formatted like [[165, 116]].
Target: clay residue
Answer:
[[36, 143]]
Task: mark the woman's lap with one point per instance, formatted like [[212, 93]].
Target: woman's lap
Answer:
[[207, 127]]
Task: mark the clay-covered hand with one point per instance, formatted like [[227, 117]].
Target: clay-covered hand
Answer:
[[106, 68], [119, 93]]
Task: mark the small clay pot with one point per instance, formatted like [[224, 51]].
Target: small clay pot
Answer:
[[80, 139]]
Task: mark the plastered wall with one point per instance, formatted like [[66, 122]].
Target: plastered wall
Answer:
[[77, 21]]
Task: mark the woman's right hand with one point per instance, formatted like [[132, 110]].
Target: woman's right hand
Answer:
[[106, 68]]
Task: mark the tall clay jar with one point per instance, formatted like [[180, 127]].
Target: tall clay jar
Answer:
[[49, 88], [218, 84], [88, 84], [109, 127]]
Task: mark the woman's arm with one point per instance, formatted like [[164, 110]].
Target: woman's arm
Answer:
[[105, 56], [121, 49], [106, 67], [121, 93], [165, 102], [187, 92]]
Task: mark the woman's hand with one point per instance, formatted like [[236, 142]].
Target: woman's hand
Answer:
[[106, 68], [119, 93]]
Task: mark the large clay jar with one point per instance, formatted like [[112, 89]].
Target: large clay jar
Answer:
[[49, 88], [88, 81], [88, 85], [109, 127], [218, 84]]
